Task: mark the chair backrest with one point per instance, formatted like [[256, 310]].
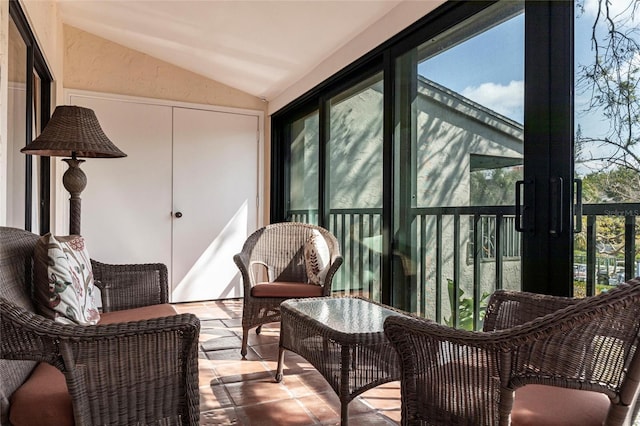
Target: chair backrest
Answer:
[[16, 273], [459, 377], [280, 248]]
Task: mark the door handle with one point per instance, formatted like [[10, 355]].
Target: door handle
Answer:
[[178, 215], [520, 209], [578, 207], [555, 204]]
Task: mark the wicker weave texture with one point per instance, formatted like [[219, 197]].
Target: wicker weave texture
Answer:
[[16, 250], [276, 253], [456, 377], [141, 372], [73, 130], [131, 286], [353, 357]]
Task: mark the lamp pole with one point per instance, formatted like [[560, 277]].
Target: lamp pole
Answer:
[[74, 181]]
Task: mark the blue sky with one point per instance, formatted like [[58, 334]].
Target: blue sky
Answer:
[[489, 68]]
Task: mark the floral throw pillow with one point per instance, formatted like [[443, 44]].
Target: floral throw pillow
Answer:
[[64, 288], [316, 258]]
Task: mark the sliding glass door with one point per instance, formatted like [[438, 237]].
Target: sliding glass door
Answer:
[[354, 178], [446, 160], [458, 137]]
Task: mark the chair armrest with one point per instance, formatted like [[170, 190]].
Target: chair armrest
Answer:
[[336, 261], [131, 286], [507, 309], [128, 373], [242, 262]]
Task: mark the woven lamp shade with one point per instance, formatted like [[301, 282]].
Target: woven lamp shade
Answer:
[[73, 131]]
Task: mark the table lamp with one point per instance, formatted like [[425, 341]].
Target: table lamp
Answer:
[[74, 132]]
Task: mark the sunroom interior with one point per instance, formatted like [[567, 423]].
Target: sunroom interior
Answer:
[[454, 148]]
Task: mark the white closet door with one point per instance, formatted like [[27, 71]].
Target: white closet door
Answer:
[[215, 190], [126, 207]]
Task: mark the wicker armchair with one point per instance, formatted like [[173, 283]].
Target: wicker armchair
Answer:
[[273, 270], [130, 372], [540, 360]]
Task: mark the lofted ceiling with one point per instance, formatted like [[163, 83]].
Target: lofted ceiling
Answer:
[[259, 46]]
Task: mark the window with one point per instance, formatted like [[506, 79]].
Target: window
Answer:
[[303, 169], [28, 111], [468, 126]]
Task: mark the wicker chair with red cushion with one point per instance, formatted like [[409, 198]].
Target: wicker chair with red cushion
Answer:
[[138, 365], [284, 261], [540, 360]]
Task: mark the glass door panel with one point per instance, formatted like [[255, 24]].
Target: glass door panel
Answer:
[[354, 181], [607, 144], [459, 150], [303, 169]]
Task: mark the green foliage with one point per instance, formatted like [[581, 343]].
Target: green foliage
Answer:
[[494, 187], [580, 288], [610, 186], [619, 185], [465, 308]]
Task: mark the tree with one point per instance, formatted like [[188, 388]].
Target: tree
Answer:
[[610, 186], [613, 83]]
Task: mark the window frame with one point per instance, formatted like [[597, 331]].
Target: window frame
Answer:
[[36, 64]]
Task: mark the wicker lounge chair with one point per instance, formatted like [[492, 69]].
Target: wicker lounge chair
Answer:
[[273, 270], [125, 370], [540, 360]]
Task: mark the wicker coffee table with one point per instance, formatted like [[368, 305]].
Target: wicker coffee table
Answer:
[[343, 338]]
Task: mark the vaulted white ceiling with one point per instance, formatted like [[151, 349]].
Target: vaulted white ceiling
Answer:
[[260, 46]]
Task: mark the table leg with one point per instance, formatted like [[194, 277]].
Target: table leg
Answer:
[[344, 413], [280, 365], [345, 354]]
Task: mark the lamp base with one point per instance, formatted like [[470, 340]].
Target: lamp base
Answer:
[[74, 181]]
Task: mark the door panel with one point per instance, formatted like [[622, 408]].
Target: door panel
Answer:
[[548, 150], [215, 181], [201, 163], [459, 150], [127, 202]]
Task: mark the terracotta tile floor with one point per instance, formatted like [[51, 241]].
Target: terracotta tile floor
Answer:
[[237, 392]]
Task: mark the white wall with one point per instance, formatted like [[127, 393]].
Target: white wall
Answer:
[[400, 17]]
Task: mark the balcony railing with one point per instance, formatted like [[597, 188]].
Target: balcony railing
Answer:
[[446, 249]]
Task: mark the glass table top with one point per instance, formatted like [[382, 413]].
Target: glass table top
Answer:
[[344, 314]]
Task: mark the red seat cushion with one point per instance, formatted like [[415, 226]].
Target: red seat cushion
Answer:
[[549, 406], [286, 289], [43, 399], [142, 313]]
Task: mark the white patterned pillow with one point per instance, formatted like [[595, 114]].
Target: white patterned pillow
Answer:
[[64, 288], [316, 258]]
